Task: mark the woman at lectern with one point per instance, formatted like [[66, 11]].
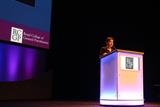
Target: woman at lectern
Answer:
[[109, 46]]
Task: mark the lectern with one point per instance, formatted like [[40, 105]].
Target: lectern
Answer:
[[121, 78]]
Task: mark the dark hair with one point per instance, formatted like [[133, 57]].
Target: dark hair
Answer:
[[109, 38]]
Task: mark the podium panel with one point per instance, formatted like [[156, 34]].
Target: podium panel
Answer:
[[108, 77], [121, 81]]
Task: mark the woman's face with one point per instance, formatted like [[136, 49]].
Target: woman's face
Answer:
[[110, 43]]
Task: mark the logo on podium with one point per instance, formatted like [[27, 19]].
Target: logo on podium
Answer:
[[129, 63]]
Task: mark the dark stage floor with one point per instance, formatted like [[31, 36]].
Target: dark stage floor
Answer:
[[60, 104]]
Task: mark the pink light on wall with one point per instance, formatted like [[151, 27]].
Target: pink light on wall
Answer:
[[19, 63]]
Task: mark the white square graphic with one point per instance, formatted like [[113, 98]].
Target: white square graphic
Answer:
[[16, 35], [135, 63]]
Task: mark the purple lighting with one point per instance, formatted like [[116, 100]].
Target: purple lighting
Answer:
[[13, 62], [108, 76], [123, 102], [30, 56]]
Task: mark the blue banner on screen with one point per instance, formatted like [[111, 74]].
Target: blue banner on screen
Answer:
[[27, 22]]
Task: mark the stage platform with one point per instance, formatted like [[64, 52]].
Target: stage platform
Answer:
[[63, 104]]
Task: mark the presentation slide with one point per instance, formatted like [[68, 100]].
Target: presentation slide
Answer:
[[26, 22]]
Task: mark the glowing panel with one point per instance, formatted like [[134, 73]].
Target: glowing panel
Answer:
[[108, 78], [125, 102], [121, 81], [130, 81]]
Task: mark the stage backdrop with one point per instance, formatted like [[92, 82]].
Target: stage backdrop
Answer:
[[24, 34]]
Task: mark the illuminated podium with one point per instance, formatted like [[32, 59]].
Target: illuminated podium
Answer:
[[121, 78]]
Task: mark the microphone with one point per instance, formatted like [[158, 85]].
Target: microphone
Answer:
[[114, 48]]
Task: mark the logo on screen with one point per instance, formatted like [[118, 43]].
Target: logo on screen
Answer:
[[16, 35]]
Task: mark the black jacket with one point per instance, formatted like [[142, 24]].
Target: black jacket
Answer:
[[104, 51]]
